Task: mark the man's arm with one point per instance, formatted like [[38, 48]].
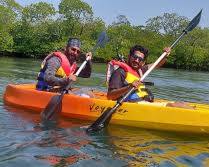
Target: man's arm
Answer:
[[53, 64], [116, 87], [114, 94]]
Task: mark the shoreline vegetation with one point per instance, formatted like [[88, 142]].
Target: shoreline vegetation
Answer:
[[38, 29]]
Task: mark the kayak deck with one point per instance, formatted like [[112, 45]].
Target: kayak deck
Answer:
[[144, 115]]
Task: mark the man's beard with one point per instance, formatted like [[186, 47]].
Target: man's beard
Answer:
[[72, 58], [134, 66]]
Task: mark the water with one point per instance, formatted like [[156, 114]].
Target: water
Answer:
[[23, 142]]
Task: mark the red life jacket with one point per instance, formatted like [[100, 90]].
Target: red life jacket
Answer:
[[65, 70], [114, 65], [141, 93], [65, 64]]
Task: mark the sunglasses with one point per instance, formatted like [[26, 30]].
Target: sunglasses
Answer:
[[75, 50], [137, 57]]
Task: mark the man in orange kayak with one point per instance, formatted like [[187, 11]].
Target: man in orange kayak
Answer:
[[58, 68], [122, 76]]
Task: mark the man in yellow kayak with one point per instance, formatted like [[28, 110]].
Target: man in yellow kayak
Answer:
[[122, 76], [58, 68]]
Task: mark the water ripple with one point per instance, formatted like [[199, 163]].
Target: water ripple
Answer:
[[26, 142]]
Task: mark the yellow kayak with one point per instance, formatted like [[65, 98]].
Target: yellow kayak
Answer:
[[143, 115]]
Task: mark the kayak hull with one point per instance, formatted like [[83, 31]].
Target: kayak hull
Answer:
[[146, 115]]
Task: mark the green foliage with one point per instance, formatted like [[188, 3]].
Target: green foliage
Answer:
[[11, 5], [122, 20], [7, 19], [38, 12], [37, 29], [74, 9], [74, 13], [171, 24], [6, 41]]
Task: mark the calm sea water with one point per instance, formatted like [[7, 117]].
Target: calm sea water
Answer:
[[24, 143]]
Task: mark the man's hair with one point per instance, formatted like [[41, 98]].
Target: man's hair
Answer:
[[74, 42], [139, 48]]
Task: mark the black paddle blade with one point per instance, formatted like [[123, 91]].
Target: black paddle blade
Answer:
[[102, 121], [195, 21], [52, 109], [101, 41]]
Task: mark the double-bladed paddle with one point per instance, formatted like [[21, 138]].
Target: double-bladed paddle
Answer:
[[54, 106], [104, 119]]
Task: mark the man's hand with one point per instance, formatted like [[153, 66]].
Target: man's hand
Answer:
[[167, 50], [89, 56], [72, 77], [136, 83]]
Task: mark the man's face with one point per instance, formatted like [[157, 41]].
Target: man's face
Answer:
[[136, 61], [72, 53]]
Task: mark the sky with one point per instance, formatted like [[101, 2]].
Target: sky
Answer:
[[139, 11]]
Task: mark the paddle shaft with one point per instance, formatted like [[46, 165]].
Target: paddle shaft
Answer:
[[64, 91], [104, 119], [157, 61], [50, 111], [119, 102], [77, 73], [54, 106], [82, 66], [160, 58], [102, 39], [190, 27]]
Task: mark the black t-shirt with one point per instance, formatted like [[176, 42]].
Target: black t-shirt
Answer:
[[117, 79]]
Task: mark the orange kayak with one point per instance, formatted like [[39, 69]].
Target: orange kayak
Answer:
[[143, 115]]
